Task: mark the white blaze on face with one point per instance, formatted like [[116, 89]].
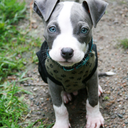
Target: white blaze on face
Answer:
[[66, 39]]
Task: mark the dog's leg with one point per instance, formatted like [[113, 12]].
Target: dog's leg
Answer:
[[67, 96], [61, 113], [100, 90], [94, 117]]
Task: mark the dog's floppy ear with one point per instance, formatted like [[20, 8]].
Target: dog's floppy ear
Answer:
[[44, 8], [96, 8]]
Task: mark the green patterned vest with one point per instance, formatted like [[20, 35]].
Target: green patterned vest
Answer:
[[75, 79]]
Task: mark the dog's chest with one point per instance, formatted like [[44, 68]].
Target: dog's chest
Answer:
[[71, 80]]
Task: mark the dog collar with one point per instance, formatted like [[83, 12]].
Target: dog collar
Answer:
[[80, 64]]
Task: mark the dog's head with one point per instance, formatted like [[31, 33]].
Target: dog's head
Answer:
[[69, 27]]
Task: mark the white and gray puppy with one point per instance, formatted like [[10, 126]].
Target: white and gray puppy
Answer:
[[68, 55]]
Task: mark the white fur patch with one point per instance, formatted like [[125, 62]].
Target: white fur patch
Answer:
[[94, 117], [62, 119], [66, 39]]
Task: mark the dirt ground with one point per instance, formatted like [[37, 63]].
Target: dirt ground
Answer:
[[114, 103]]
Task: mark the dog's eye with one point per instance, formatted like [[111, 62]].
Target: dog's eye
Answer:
[[52, 29], [84, 30]]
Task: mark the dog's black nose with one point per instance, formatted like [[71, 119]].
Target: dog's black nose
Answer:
[[67, 53]]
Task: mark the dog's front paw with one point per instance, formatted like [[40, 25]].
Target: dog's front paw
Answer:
[[61, 125], [94, 122]]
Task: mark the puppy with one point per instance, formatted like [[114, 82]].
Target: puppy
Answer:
[[68, 57]]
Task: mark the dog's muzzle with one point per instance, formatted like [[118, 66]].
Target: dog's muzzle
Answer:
[[67, 53]]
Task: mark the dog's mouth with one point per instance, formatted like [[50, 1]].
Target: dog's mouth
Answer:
[[66, 63]]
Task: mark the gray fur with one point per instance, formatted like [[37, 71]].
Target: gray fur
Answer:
[[81, 21], [53, 21], [92, 87], [55, 91], [96, 9], [44, 8]]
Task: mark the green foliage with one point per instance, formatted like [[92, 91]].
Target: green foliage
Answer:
[[124, 43], [11, 11], [13, 41], [12, 107], [106, 98], [15, 45]]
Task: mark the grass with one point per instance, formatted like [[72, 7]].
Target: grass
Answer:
[[14, 45], [124, 43], [12, 107], [106, 98], [14, 42]]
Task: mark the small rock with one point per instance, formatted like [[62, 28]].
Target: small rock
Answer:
[[36, 96], [35, 89], [116, 79], [118, 93], [24, 63], [123, 112], [126, 123], [119, 115], [31, 98], [28, 115], [42, 99], [37, 103], [116, 21], [34, 26], [120, 106], [33, 21], [126, 98], [43, 115], [95, 40], [38, 113], [101, 48], [113, 117], [108, 92], [25, 84]]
